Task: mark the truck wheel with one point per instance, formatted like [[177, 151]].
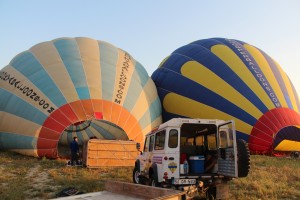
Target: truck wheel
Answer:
[[243, 156], [135, 175], [154, 183], [153, 180]]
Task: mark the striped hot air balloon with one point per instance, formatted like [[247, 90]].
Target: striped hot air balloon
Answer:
[[74, 87], [229, 79]]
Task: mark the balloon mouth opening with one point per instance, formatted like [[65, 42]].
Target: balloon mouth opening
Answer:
[[287, 139], [89, 129]]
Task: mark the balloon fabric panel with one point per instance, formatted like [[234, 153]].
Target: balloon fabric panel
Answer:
[[37, 75], [266, 69], [205, 57], [8, 141], [49, 57], [108, 61], [202, 94], [12, 104], [279, 78], [139, 76], [205, 77], [70, 55], [289, 94], [252, 66], [241, 70], [90, 57]]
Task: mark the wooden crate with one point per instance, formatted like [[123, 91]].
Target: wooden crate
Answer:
[[99, 153]]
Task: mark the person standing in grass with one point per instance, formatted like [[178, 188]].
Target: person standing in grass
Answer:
[[74, 151]]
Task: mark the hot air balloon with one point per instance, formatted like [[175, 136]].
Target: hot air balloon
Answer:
[[74, 87], [230, 79]]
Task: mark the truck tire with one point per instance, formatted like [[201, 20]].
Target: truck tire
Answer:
[[135, 175], [243, 158], [153, 176], [154, 183]]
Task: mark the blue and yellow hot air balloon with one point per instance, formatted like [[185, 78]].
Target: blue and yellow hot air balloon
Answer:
[[74, 87], [229, 79]]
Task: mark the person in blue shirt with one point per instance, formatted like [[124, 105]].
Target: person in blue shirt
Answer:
[[74, 151]]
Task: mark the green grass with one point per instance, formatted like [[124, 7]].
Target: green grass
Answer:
[[24, 177]]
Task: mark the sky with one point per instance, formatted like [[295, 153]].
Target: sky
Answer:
[[151, 30]]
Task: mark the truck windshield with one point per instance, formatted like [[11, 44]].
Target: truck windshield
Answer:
[[146, 147], [160, 140], [151, 143]]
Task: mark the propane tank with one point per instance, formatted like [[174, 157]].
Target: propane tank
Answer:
[[186, 167]]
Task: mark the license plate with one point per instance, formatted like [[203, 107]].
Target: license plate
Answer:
[[184, 181]]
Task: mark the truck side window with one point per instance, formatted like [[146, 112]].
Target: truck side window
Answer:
[[146, 147], [173, 138], [160, 140], [151, 143]]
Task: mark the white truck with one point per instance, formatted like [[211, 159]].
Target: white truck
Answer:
[[198, 156]]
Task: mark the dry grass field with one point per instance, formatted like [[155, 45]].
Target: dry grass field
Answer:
[[269, 178], [23, 177]]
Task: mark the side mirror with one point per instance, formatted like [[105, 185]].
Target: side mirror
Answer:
[[138, 146]]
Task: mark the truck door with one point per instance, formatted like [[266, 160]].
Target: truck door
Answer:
[[227, 149], [147, 154], [172, 154]]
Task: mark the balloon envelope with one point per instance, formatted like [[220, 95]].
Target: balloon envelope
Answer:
[[230, 79], [74, 87]]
